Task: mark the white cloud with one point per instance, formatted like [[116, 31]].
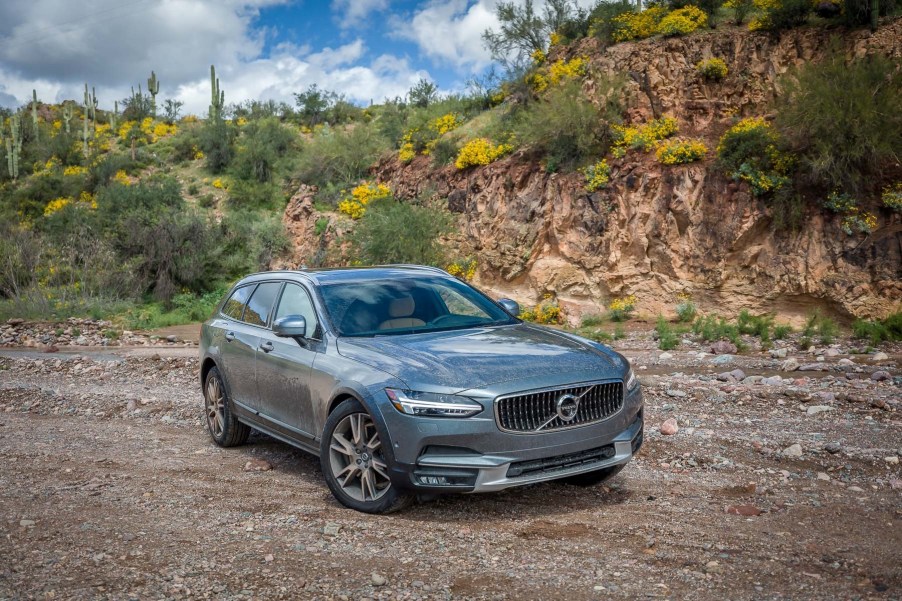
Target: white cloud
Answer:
[[51, 46], [451, 31], [353, 12]]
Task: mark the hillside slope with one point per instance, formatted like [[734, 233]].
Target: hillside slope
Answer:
[[657, 231]]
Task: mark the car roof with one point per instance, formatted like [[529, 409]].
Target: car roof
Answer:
[[352, 274]]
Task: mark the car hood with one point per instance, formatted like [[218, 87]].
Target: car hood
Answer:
[[475, 358]]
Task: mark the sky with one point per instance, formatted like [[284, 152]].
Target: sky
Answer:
[[367, 50]]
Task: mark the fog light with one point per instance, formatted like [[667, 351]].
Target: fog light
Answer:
[[433, 480]]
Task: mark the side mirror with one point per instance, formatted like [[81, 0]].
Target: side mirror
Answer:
[[290, 326], [511, 306]]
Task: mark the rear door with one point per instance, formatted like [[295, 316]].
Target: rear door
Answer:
[[239, 347], [255, 321], [284, 365]]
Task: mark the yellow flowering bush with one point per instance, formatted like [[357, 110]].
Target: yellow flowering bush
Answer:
[[57, 204], [683, 21], [749, 151], [424, 140], [57, 124], [75, 170], [407, 152], [620, 309], [219, 184], [537, 81], [859, 221], [122, 178], [480, 151], [561, 69], [554, 39], [162, 130], [643, 137], [892, 197], [538, 56], [547, 312], [240, 121], [464, 269], [47, 167], [445, 123], [198, 153], [354, 205], [680, 151], [597, 175], [637, 26], [713, 68]]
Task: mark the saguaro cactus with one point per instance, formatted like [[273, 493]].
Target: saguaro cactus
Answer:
[[218, 96], [67, 115], [153, 87], [13, 147], [90, 109], [34, 112], [115, 116], [94, 108]]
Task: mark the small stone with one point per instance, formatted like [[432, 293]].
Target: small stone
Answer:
[[665, 356], [881, 356], [722, 359], [738, 374], [679, 394], [826, 397], [131, 405], [744, 510], [892, 460], [880, 404], [820, 359], [831, 352], [723, 347], [26, 523], [172, 338], [815, 409], [794, 450], [772, 381], [855, 489], [845, 362], [669, 427], [257, 465], [752, 379], [880, 376], [378, 579], [789, 365], [833, 448], [779, 353], [268, 558], [331, 529], [813, 367], [81, 341], [15, 321], [52, 349]]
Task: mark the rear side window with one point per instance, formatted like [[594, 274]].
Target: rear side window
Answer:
[[261, 302], [234, 307]]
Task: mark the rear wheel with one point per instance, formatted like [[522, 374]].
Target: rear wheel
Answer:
[[353, 462], [593, 478], [225, 430]]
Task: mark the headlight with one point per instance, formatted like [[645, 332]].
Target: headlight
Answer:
[[631, 381], [431, 404]]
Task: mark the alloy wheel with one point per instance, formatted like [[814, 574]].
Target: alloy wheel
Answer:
[[355, 456], [214, 403]]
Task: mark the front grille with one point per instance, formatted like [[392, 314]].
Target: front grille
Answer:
[[538, 411], [561, 462]]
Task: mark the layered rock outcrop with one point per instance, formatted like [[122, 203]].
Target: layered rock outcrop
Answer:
[[656, 231]]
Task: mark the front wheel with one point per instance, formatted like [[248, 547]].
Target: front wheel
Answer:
[[593, 478], [353, 462]]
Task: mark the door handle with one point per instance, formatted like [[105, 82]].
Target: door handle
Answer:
[[266, 346], [229, 336]]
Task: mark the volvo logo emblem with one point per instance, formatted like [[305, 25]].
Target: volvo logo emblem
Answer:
[[567, 407]]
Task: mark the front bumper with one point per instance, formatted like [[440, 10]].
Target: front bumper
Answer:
[[471, 456]]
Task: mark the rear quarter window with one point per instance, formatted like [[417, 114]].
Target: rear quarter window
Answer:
[[234, 307]]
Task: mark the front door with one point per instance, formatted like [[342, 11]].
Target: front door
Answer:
[[284, 365]]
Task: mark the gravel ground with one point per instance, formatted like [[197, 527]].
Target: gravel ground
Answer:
[[785, 487]]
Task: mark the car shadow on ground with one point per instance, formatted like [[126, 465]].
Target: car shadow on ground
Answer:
[[546, 499]]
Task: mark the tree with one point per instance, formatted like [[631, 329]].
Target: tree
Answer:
[[423, 93], [172, 108], [523, 31], [313, 104]]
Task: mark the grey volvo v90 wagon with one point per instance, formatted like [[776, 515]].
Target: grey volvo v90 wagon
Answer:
[[406, 381]]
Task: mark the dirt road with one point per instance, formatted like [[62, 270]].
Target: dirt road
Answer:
[[110, 488]]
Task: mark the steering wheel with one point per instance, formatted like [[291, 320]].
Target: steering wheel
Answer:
[[442, 319]]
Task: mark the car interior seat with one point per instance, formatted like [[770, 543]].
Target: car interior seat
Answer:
[[400, 311]]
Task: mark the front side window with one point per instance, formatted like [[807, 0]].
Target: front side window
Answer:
[[234, 307], [409, 305], [261, 302], [296, 301]]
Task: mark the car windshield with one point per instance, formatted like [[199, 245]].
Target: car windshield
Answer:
[[409, 305]]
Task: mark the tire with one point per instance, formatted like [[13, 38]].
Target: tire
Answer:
[[224, 428], [353, 463], [593, 478]]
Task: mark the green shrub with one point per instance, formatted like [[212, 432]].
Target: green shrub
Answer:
[[749, 151], [879, 330], [444, 151], [777, 15], [755, 325], [340, 156], [320, 227], [250, 194], [712, 327], [667, 340], [781, 331], [602, 23], [621, 309], [566, 127], [824, 327], [741, 9], [396, 232], [686, 310], [589, 321], [263, 144], [843, 141], [249, 241], [714, 69]]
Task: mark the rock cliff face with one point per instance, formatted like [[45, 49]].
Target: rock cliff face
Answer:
[[657, 231]]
